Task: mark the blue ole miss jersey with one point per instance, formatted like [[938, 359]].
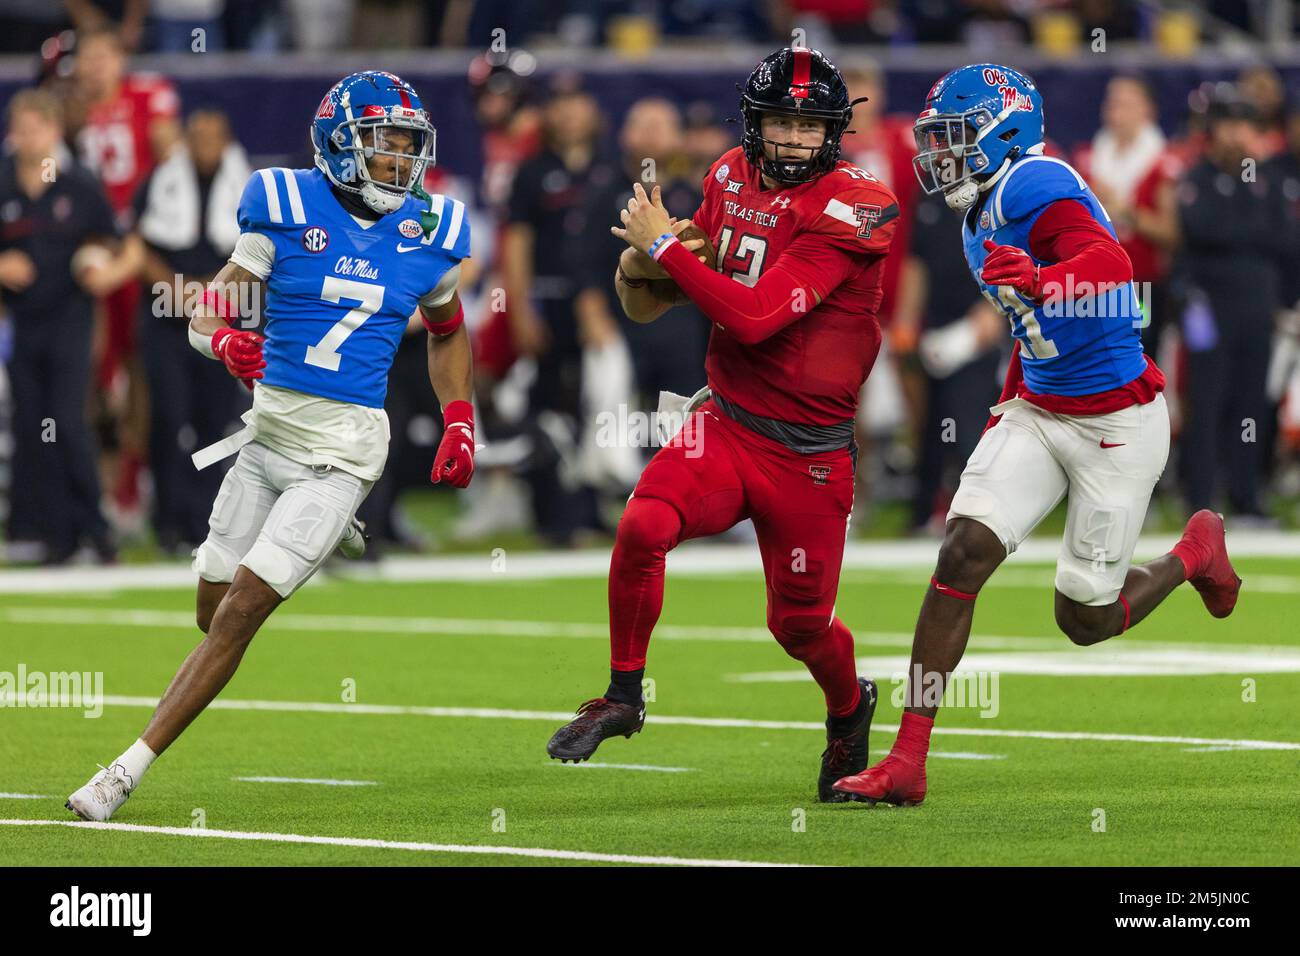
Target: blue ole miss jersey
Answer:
[[339, 294], [1076, 346]]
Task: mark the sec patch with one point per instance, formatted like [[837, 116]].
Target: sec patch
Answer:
[[315, 239], [409, 228]]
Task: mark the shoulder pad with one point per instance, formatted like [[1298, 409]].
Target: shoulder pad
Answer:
[[272, 199], [1032, 183], [451, 232]]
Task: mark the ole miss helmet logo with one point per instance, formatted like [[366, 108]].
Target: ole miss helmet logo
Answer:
[[326, 109]]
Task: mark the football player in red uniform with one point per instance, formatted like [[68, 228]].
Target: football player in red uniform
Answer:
[[130, 123], [801, 240]]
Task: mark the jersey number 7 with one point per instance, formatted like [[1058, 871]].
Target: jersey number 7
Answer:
[[325, 353]]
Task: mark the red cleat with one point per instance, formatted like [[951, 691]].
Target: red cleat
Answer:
[[894, 780], [1204, 549]]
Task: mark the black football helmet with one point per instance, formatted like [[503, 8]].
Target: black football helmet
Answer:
[[803, 82]]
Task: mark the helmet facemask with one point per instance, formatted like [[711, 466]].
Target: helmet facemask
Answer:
[[399, 143], [790, 172]]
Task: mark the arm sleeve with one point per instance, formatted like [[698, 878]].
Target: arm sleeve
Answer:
[[441, 293], [255, 253], [1080, 250], [750, 315]]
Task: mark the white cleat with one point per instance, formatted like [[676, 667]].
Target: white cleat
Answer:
[[99, 799], [353, 543]]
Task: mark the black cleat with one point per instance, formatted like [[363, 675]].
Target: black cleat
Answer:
[[847, 754], [596, 720]]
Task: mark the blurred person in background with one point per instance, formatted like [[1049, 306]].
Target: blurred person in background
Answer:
[[1235, 249], [1132, 172], [959, 338], [58, 251], [704, 139], [126, 17], [892, 404], [1282, 439], [130, 124], [667, 355], [501, 91], [1262, 88], [544, 222], [187, 216]]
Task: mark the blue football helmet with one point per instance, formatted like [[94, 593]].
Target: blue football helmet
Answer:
[[371, 115], [977, 121]]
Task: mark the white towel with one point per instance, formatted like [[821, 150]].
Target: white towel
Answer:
[[171, 215]]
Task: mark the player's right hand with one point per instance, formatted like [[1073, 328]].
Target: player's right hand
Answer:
[[241, 352], [637, 265]]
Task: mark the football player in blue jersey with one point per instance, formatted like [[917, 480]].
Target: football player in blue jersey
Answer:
[[1081, 416], [344, 256]]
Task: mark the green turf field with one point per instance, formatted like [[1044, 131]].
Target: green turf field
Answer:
[[458, 686]]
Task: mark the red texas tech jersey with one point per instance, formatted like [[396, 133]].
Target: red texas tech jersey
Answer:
[[832, 234]]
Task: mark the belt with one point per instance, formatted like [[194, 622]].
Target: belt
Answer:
[[797, 436]]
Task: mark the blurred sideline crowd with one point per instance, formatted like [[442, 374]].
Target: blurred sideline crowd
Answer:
[[631, 26], [103, 400]]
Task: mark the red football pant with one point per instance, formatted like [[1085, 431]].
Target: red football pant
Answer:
[[714, 474]]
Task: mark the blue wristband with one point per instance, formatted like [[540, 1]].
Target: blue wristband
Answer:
[[660, 243]]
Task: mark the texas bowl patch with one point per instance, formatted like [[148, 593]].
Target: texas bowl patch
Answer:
[[723, 172], [409, 228]]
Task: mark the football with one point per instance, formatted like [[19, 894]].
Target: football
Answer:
[[666, 290]]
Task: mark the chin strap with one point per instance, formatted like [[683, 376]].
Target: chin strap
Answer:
[[963, 195]]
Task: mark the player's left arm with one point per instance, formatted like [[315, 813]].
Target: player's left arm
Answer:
[[1082, 258], [451, 373]]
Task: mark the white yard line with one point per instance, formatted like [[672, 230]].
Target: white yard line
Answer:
[[24, 796], [102, 617], [692, 559], [623, 766], [551, 716], [524, 851], [316, 780]]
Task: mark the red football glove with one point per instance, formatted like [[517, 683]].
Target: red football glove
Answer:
[[454, 462], [1007, 265], [241, 352]]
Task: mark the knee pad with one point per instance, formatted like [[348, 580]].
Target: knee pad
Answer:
[[274, 565], [214, 563], [1084, 588]]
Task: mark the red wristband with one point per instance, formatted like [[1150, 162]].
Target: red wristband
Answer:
[[217, 302], [458, 412], [444, 328]]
